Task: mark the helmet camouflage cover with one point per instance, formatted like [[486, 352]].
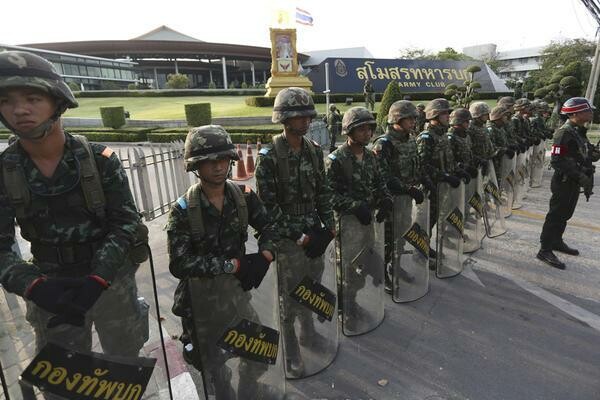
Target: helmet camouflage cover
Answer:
[[478, 109], [436, 107], [507, 101], [293, 102], [355, 117], [401, 109], [522, 104], [498, 111], [421, 106], [208, 142], [23, 69], [459, 116]]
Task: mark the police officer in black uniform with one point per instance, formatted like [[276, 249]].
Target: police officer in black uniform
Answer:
[[572, 158]]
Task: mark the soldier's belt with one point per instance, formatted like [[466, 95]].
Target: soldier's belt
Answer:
[[78, 253], [298, 208]]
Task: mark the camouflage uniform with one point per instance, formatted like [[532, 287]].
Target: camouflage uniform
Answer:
[[334, 124], [369, 94], [460, 142], [483, 148], [67, 239], [520, 125], [497, 134], [202, 259], [538, 124]]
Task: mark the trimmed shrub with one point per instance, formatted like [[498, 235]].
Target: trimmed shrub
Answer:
[[198, 114], [212, 85], [177, 81], [260, 101], [113, 117], [392, 94], [73, 86]]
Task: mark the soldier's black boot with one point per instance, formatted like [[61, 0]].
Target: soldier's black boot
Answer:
[[432, 259], [549, 258], [563, 248]]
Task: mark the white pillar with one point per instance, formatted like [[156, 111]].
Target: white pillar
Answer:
[[265, 76], [176, 68], [244, 76], [156, 79], [210, 75], [253, 77], [224, 73]]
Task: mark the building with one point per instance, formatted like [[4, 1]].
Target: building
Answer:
[[87, 72], [516, 64]]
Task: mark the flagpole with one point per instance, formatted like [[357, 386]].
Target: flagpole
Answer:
[[327, 89]]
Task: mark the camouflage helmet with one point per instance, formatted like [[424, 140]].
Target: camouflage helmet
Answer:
[[355, 117], [522, 104], [544, 106], [498, 111], [23, 69], [293, 102], [421, 106], [401, 109], [478, 109], [208, 142], [436, 107], [459, 116], [332, 107], [507, 101]]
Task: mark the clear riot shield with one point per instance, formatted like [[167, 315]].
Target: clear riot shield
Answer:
[[116, 351], [308, 309], [493, 217], [474, 230], [410, 262], [237, 337], [449, 230], [507, 184], [520, 185], [361, 268], [537, 164]]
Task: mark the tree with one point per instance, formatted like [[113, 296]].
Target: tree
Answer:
[[495, 64], [462, 96], [413, 53], [390, 95], [450, 54], [177, 81]]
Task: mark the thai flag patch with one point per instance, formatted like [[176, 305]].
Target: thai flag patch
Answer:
[[558, 150]]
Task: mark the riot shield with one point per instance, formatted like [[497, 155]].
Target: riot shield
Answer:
[[117, 351], [506, 184], [361, 267], [308, 309], [493, 217], [474, 230], [520, 181], [449, 230], [237, 337], [537, 165], [410, 262]]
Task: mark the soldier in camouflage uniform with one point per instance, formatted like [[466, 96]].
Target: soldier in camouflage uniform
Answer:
[[215, 259], [511, 136], [291, 181], [483, 148], [495, 129], [520, 123], [540, 113], [369, 93], [334, 124], [358, 189], [396, 153], [80, 238], [420, 125]]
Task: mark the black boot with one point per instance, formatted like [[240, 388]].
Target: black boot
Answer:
[[549, 258], [563, 248]]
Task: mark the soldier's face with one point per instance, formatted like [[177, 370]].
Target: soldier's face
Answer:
[[297, 125], [214, 171], [444, 118], [582, 118], [26, 108], [361, 135], [407, 124]]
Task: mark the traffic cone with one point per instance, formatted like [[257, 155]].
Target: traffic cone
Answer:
[[249, 159], [240, 170]]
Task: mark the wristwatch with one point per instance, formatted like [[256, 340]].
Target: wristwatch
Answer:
[[229, 266], [300, 241]]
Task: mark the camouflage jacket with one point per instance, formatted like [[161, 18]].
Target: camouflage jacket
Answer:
[[435, 154], [396, 155], [354, 182], [420, 121], [460, 143], [334, 121], [511, 136], [570, 150], [497, 135], [539, 128], [368, 88], [306, 187], [223, 238], [59, 217], [482, 146], [521, 129]]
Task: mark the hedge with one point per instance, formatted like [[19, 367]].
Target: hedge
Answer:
[[80, 129], [198, 114], [169, 93], [235, 137], [113, 117], [276, 129]]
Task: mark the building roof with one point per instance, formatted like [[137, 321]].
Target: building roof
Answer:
[[163, 32]]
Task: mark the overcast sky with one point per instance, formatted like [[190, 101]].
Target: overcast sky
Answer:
[[383, 27]]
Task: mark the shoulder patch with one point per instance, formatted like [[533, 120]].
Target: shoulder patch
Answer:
[[385, 138], [332, 156], [424, 135], [264, 151], [107, 152], [182, 203]]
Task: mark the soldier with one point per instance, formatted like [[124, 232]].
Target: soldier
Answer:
[[483, 149], [369, 93], [396, 153], [460, 142], [520, 122], [420, 127], [291, 181], [81, 230], [358, 190], [540, 113], [571, 157], [495, 129], [334, 124], [206, 237], [511, 136]]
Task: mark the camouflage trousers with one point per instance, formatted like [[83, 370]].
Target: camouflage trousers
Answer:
[[370, 101]]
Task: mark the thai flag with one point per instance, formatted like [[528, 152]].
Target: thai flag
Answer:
[[303, 17]]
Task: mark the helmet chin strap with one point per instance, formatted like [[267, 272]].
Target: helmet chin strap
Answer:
[[43, 129]]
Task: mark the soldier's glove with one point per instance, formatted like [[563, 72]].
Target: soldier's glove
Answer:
[[473, 172], [385, 208], [537, 141], [461, 173], [510, 153], [428, 184], [416, 194], [522, 148], [451, 180], [363, 213], [319, 239], [81, 300], [396, 186], [51, 294], [587, 183], [253, 268], [484, 167]]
